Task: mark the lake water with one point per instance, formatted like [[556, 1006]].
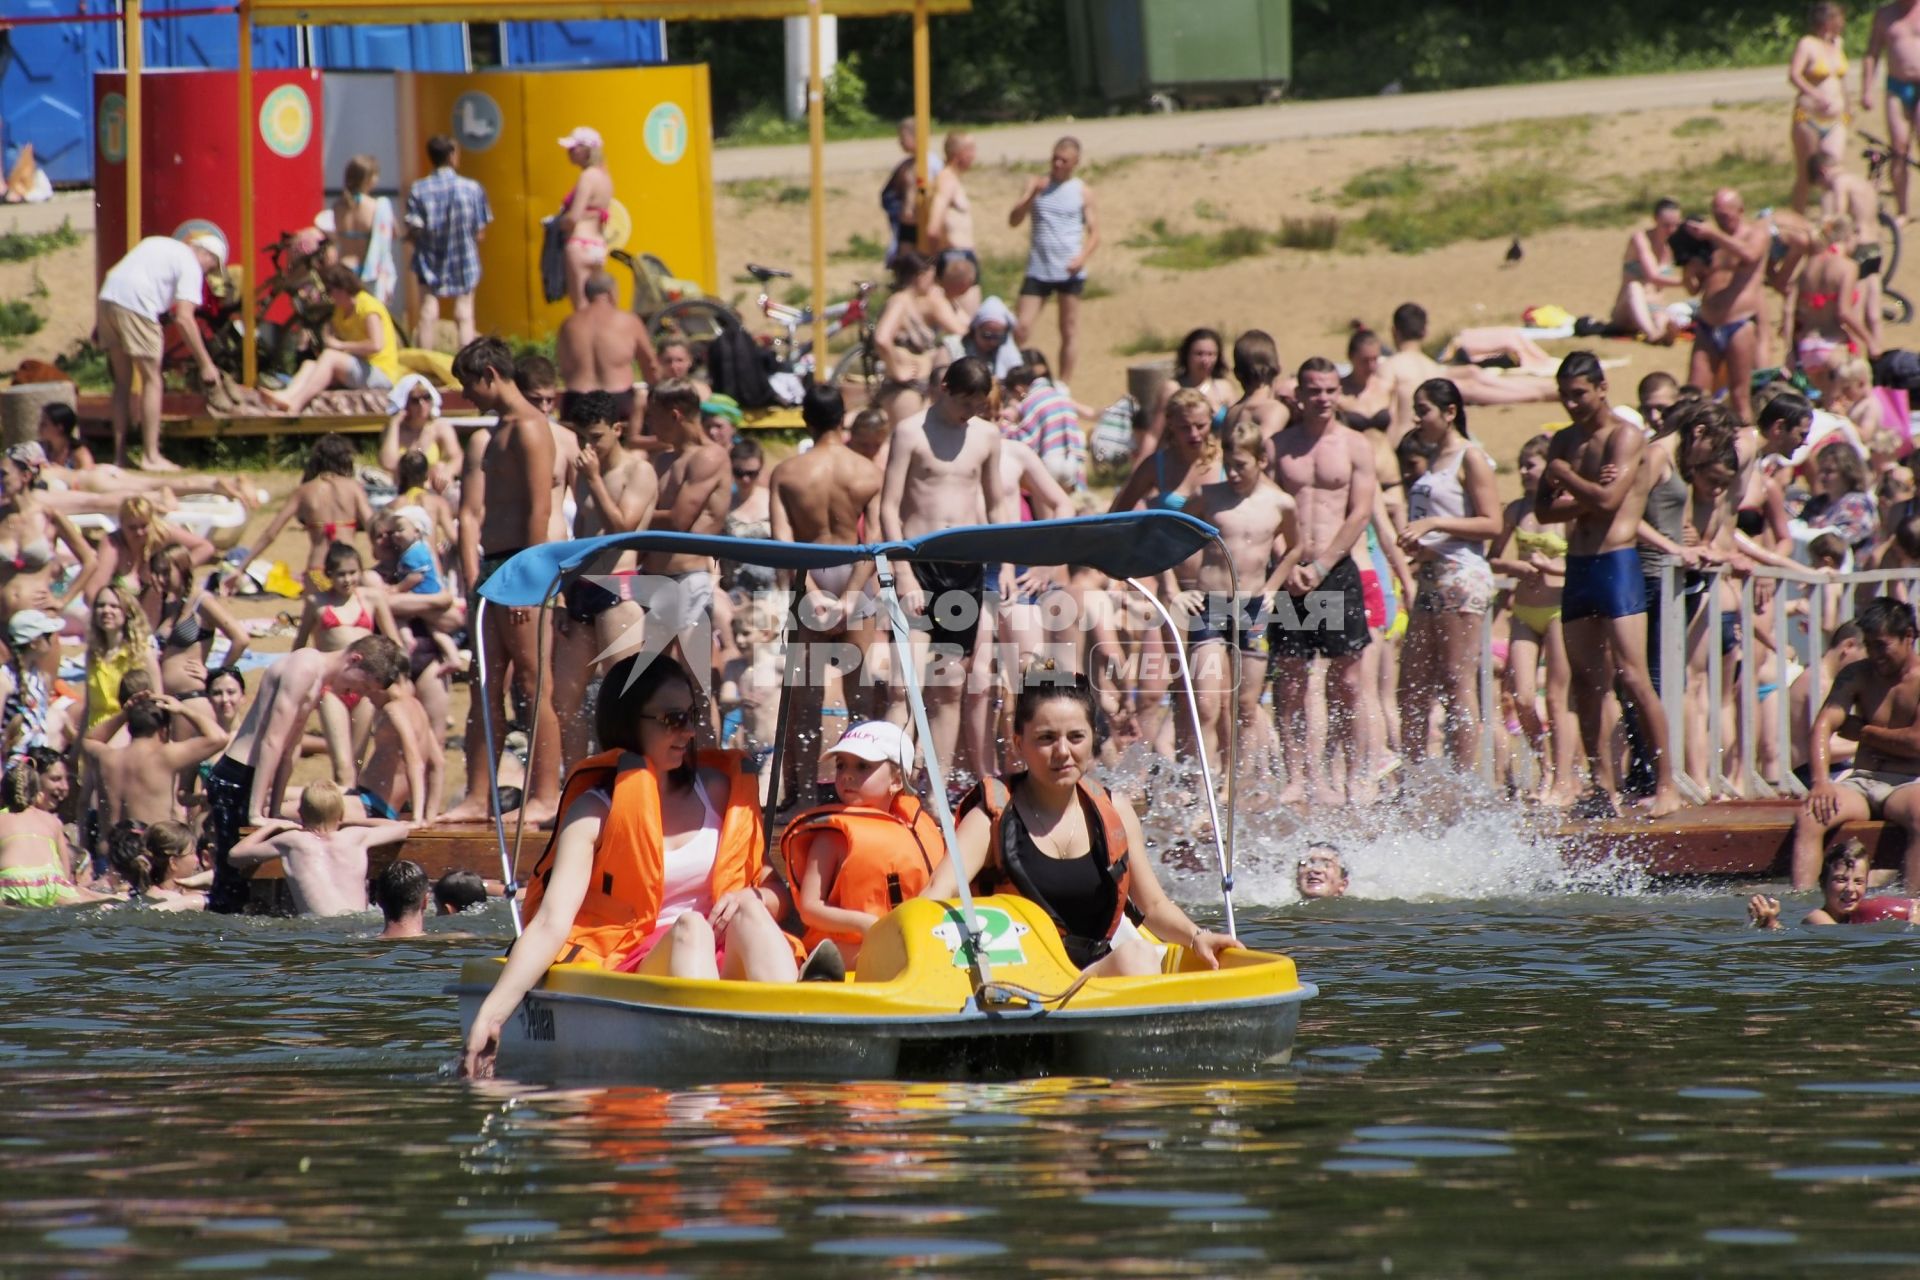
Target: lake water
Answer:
[[1568, 1084]]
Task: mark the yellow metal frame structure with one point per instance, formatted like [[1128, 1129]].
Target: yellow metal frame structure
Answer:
[[288, 13]]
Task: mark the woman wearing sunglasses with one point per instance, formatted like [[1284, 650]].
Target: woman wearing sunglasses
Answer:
[[657, 864], [416, 424]]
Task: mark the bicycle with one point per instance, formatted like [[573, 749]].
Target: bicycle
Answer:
[[856, 373], [1879, 155], [290, 309]]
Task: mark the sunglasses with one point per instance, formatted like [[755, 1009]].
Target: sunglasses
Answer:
[[750, 473], [419, 399], [672, 721]]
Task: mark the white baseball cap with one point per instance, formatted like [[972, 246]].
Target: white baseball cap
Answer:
[[582, 136], [874, 740], [212, 243], [29, 625]]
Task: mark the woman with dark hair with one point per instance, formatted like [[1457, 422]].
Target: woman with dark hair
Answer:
[[31, 533], [657, 865], [749, 515], [1199, 365], [330, 503], [1052, 835], [1785, 418], [155, 861], [59, 436], [1453, 509], [187, 621], [33, 848], [917, 316]]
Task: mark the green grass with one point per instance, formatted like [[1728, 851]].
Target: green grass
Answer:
[[770, 191], [1196, 250], [87, 366], [16, 246], [1318, 231], [1393, 181], [1208, 211], [860, 248], [18, 319], [1511, 201], [1762, 177], [1001, 274], [1698, 126], [768, 126], [1148, 342]]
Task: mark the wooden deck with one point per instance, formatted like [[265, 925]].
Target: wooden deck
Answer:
[[184, 416]]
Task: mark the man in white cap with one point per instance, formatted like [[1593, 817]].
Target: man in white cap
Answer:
[[584, 213], [39, 713], [162, 277]]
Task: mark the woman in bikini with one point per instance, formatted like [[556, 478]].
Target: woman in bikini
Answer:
[[335, 617], [124, 553], [1818, 74], [68, 464], [330, 503], [416, 424], [34, 858], [187, 621], [1827, 324], [917, 316], [363, 225], [1538, 563], [1199, 365], [584, 213], [1647, 268], [28, 534]]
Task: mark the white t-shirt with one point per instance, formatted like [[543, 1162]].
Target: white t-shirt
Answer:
[[158, 273]]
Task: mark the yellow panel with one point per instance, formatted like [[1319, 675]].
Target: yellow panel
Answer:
[[287, 13]]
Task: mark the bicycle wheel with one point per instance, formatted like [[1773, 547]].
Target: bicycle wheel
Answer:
[[1891, 228], [858, 375], [697, 320], [1894, 307]]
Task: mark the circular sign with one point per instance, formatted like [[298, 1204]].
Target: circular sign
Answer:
[[112, 125], [476, 121], [619, 226], [286, 121], [666, 133]]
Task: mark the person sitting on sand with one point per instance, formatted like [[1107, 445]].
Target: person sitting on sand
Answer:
[[33, 847], [416, 424], [1843, 879], [854, 861], [157, 861], [360, 346], [400, 891], [1321, 872], [669, 842], [458, 891], [326, 857], [1072, 842], [1648, 268]]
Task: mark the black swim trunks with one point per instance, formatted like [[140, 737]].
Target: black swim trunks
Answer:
[[955, 597], [1214, 622], [1031, 288], [587, 599], [1328, 622], [490, 563], [229, 793]]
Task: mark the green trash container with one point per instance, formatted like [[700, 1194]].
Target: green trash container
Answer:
[[1179, 51]]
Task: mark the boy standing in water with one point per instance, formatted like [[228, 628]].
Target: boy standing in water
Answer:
[[326, 861], [1844, 878], [1595, 485]]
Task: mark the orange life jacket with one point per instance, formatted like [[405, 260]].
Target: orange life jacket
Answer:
[[1004, 868], [622, 905], [891, 854]]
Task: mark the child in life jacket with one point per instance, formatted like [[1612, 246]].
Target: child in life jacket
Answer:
[[1843, 877], [852, 862]]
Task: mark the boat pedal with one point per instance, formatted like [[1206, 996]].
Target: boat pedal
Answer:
[[824, 964]]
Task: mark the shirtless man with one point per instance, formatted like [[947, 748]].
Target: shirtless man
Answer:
[[1596, 486], [1876, 702], [695, 485], [819, 496], [407, 767], [614, 491], [943, 470], [1730, 284], [1256, 366], [1327, 469], [248, 781], [1896, 37], [326, 860], [506, 506], [597, 348], [949, 212], [1409, 366], [141, 781]]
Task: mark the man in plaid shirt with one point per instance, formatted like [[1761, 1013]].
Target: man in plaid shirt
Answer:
[[446, 216]]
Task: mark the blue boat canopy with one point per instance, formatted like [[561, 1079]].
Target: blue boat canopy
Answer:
[[1124, 545]]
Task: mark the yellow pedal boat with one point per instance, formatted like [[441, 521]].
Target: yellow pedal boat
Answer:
[[910, 1010]]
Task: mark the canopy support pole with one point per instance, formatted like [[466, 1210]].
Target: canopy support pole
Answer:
[[134, 55], [817, 152], [782, 721], [249, 251], [922, 116], [973, 936], [507, 860]]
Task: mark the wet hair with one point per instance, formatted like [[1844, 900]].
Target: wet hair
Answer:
[[380, 659], [361, 171], [64, 420], [1842, 856], [338, 554], [1410, 321], [1317, 364], [822, 409], [1885, 616], [1360, 337], [144, 719], [968, 376], [1043, 683], [1192, 340], [1849, 464], [1721, 449], [440, 149], [332, 456], [20, 787], [234, 674], [400, 889], [321, 803], [1536, 447], [412, 471], [1658, 380], [127, 853], [1256, 358], [535, 373], [482, 356], [1581, 364], [676, 395], [459, 890], [341, 278], [1443, 394], [587, 408], [1829, 547], [627, 688]]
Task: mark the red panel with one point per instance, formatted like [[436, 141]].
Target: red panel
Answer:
[[190, 170]]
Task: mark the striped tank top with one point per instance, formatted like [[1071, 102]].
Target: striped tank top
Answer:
[[1059, 229]]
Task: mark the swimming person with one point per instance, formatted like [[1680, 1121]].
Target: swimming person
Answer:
[[1843, 878], [1052, 835], [656, 866], [1321, 872], [325, 854], [400, 891]]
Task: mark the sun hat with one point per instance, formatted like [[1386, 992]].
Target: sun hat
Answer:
[[29, 625], [212, 243], [874, 740], [582, 136], [403, 391]]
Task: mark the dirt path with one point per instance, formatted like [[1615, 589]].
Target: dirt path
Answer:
[[1107, 138]]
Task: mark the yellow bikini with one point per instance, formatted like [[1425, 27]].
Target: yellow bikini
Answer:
[[1538, 617]]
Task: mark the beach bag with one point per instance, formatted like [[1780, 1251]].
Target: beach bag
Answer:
[[735, 369], [553, 259], [1113, 433]]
